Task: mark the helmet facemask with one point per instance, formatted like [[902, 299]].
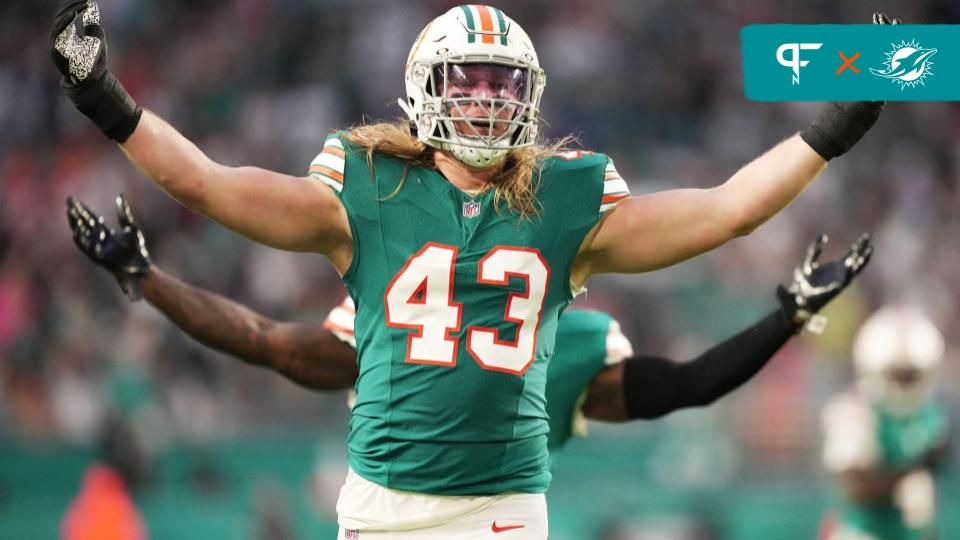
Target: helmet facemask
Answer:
[[495, 98]]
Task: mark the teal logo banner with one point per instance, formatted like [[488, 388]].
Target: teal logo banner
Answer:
[[851, 62]]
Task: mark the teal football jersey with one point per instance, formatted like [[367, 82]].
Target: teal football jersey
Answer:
[[457, 305], [587, 343]]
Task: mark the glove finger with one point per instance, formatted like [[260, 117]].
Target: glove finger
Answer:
[[65, 15], [81, 232], [73, 217], [864, 259], [84, 213], [91, 218], [857, 246], [91, 22], [859, 254], [883, 18], [864, 241], [866, 250], [63, 43], [124, 213], [91, 17], [813, 253]]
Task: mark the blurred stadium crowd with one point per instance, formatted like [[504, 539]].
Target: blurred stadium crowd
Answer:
[[655, 84]]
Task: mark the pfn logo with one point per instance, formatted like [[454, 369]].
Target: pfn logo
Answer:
[[794, 62]]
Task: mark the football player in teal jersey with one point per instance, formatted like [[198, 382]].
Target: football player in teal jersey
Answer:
[[461, 237], [593, 372], [884, 439]]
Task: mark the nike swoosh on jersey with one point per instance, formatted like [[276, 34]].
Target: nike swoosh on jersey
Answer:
[[497, 529]]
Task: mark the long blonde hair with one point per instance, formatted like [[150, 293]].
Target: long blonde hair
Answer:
[[515, 183]]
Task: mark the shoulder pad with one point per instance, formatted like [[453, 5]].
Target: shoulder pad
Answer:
[[576, 159], [329, 164]]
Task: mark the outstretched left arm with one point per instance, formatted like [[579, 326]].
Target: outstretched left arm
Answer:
[[654, 231], [659, 230], [306, 354]]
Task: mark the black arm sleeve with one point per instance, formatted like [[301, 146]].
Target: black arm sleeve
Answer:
[[653, 386]]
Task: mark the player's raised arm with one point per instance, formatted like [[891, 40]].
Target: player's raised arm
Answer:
[[276, 209], [308, 355], [649, 387], [279, 210], [654, 231]]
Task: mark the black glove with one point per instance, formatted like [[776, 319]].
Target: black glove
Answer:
[[123, 252], [82, 60], [840, 125], [815, 285], [882, 18]]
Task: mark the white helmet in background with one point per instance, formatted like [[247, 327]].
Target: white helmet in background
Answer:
[[474, 85], [897, 353]]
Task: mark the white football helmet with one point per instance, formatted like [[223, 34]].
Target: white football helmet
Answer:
[[897, 353], [474, 85]]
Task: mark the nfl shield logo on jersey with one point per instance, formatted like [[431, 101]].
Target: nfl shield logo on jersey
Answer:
[[471, 209], [350, 534]]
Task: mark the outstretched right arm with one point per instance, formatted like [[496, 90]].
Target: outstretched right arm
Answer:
[[287, 212], [283, 211]]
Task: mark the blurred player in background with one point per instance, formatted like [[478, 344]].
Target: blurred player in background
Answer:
[[884, 439], [593, 372], [450, 430]]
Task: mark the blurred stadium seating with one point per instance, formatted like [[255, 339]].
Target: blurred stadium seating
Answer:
[[655, 84]]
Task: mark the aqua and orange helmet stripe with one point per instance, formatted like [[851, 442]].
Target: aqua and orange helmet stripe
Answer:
[[492, 24]]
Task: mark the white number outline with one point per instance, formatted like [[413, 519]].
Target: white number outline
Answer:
[[494, 332], [505, 281], [419, 327]]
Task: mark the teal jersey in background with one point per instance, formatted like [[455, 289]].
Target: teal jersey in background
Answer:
[[876, 438], [456, 310], [587, 343]]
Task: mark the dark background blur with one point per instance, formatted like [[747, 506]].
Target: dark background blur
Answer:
[[237, 452]]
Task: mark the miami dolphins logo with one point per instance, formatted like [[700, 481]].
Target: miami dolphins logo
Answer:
[[908, 64]]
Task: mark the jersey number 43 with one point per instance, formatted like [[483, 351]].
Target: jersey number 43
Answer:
[[420, 298]]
